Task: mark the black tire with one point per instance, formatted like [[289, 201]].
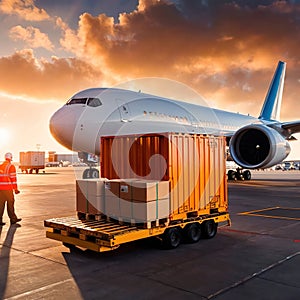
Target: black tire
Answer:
[[209, 229], [94, 173], [192, 233], [90, 173], [247, 175], [231, 175], [171, 238], [86, 174], [239, 175]]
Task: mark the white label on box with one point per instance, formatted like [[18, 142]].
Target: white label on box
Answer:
[[124, 188]]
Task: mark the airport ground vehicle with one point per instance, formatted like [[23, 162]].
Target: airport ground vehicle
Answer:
[[288, 166], [32, 161], [105, 235], [182, 180]]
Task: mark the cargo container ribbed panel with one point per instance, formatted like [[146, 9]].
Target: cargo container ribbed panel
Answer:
[[193, 164]]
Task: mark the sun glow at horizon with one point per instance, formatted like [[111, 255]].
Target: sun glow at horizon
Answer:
[[4, 137]]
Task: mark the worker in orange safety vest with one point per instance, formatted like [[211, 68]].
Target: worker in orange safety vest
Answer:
[[8, 186]]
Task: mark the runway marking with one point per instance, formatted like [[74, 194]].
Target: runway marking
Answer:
[[50, 286], [267, 213], [252, 276], [242, 231]]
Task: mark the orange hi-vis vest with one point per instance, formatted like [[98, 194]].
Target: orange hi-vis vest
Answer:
[[8, 176]]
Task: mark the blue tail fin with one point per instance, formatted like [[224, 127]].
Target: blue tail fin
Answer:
[[272, 104]]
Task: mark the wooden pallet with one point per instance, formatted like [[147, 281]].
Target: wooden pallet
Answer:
[[87, 229], [122, 221]]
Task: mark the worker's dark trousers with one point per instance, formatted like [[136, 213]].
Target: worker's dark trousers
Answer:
[[7, 197]]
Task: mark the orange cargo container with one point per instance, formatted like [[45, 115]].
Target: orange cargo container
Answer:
[[193, 164]]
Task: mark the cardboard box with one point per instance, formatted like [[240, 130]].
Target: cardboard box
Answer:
[[112, 200], [143, 212], [90, 196], [112, 207], [91, 186], [127, 187], [112, 187], [147, 190], [143, 190]]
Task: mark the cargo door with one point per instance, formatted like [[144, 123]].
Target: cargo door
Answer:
[[124, 111], [213, 178], [217, 172]]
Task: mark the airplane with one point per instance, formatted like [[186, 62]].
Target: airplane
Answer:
[[254, 143]]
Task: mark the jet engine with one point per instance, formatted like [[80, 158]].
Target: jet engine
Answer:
[[258, 146]]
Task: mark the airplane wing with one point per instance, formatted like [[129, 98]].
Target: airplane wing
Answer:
[[291, 127]]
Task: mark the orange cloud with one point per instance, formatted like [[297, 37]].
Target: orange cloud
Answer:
[[25, 9], [22, 74], [70, 41], [226, 51], [32, 36], [158, 38]]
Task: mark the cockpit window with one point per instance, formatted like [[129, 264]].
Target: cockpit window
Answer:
[[77, 101], [93, 102]]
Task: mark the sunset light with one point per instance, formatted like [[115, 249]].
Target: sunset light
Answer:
[[150, 149], [224, 50], [4, 137]]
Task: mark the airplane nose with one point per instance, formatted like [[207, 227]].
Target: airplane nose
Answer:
[[63, 125]]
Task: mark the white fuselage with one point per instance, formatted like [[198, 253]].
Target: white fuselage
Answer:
[[93, 113]]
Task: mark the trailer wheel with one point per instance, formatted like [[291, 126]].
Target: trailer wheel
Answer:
[[210, 229], [171, 238], [192, 233]]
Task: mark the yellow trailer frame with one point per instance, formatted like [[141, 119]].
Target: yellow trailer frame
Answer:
[[106, 235]]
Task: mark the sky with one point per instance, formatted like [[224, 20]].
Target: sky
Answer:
[[226, 51]]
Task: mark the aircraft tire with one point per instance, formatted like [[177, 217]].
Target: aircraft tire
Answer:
[[90, 173], [247, 175], [231, 175], [94, 173]]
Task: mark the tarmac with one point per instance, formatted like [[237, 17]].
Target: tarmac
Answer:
[[258, 257]]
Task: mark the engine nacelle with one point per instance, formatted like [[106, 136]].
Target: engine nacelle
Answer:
[[258, 146]]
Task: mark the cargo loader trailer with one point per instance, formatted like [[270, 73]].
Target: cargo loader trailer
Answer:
[[170, 186], [106, 235]]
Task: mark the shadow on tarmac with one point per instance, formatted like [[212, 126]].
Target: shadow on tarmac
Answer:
[[5, 256], [102, 275]]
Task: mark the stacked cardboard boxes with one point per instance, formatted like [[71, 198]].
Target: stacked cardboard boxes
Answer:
[[137, 201], [129, 200]]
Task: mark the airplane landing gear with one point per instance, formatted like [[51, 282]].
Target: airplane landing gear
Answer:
[[239, 174], [90, 173], [91, 160]]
